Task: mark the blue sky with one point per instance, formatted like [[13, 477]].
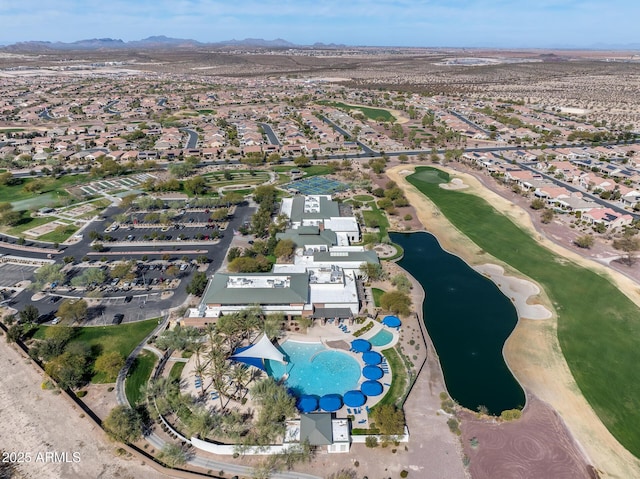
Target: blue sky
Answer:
[[457, 23]]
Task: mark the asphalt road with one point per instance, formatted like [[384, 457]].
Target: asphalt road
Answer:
[[192, 142], [273, 139], [346, 134], [469, 122]]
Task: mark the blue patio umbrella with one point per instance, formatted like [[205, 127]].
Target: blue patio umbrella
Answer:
[[372, 357], [330, 402], [360, 345], [372, 372], [307, 403], [354, 398], [391, 321], [371, 388]]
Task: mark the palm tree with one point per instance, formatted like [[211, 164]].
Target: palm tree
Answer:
[[201, 422], [200, 369], [240, 376]]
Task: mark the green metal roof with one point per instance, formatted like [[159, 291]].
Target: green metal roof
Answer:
[[219, 292], [345, 256], [317, 428], [309, 235]]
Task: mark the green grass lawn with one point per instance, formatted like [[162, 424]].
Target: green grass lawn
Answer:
[[176, 370], [122, 338], [362, 198], [26, 223], [399, 374], [598, 326], [372, 113], [376, 217], [216, 180], [316, 170], [59, 236], [138, 376], [376, 296], [16, 193]]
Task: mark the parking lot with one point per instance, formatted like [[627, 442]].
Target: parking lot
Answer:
[[10, 273], [190, 226]]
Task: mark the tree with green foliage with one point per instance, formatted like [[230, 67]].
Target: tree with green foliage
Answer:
[[584, 241], [198, 284], [401, 282], [180, 338], [109, 363], [372, 271], [302, 161], [15, 332], [49, 273], [73, 310], [274, 158], [68, 369], [537, 204], [260, 222], [284, 249], [195, 186], [89, 276], [29, 314], [173, 455], [246, 264], [276, 406], [547, 216], [10, 218], [220, 214], [396, 302], [123, 424], [388, 419]]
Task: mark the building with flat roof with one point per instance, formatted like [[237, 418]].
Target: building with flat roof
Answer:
[[323, 212], [314, 292]]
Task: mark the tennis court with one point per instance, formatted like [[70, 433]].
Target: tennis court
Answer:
[[316, 185]]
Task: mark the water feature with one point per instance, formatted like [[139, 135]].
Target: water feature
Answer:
[[314, 369], [468, 320], [381, 338]]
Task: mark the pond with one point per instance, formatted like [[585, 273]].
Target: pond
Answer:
[[468, 319]]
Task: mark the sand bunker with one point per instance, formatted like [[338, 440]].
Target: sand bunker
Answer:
[[454, 184], [518, 290]]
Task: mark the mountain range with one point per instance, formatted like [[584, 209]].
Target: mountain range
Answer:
[[160, 42]]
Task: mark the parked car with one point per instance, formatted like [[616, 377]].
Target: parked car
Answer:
[[117, 318], [56, 320], [127, 299]]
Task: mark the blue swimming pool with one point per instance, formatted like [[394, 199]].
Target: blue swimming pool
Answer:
[[314, 369], [382, 338]]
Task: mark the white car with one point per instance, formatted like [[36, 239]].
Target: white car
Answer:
[[56, 320]]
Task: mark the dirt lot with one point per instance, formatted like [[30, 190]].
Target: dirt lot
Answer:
[[37, 421], [523, 449]]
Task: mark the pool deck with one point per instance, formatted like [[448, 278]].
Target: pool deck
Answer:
[[334, 338], [329, 335]]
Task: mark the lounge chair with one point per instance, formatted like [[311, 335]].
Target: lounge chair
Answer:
[[362, 421], [367, 409], [349, 410]]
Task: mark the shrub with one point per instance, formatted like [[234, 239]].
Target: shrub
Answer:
[[454, 426], [511, 414], [81, 394], [404, 473], [371, 441]]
